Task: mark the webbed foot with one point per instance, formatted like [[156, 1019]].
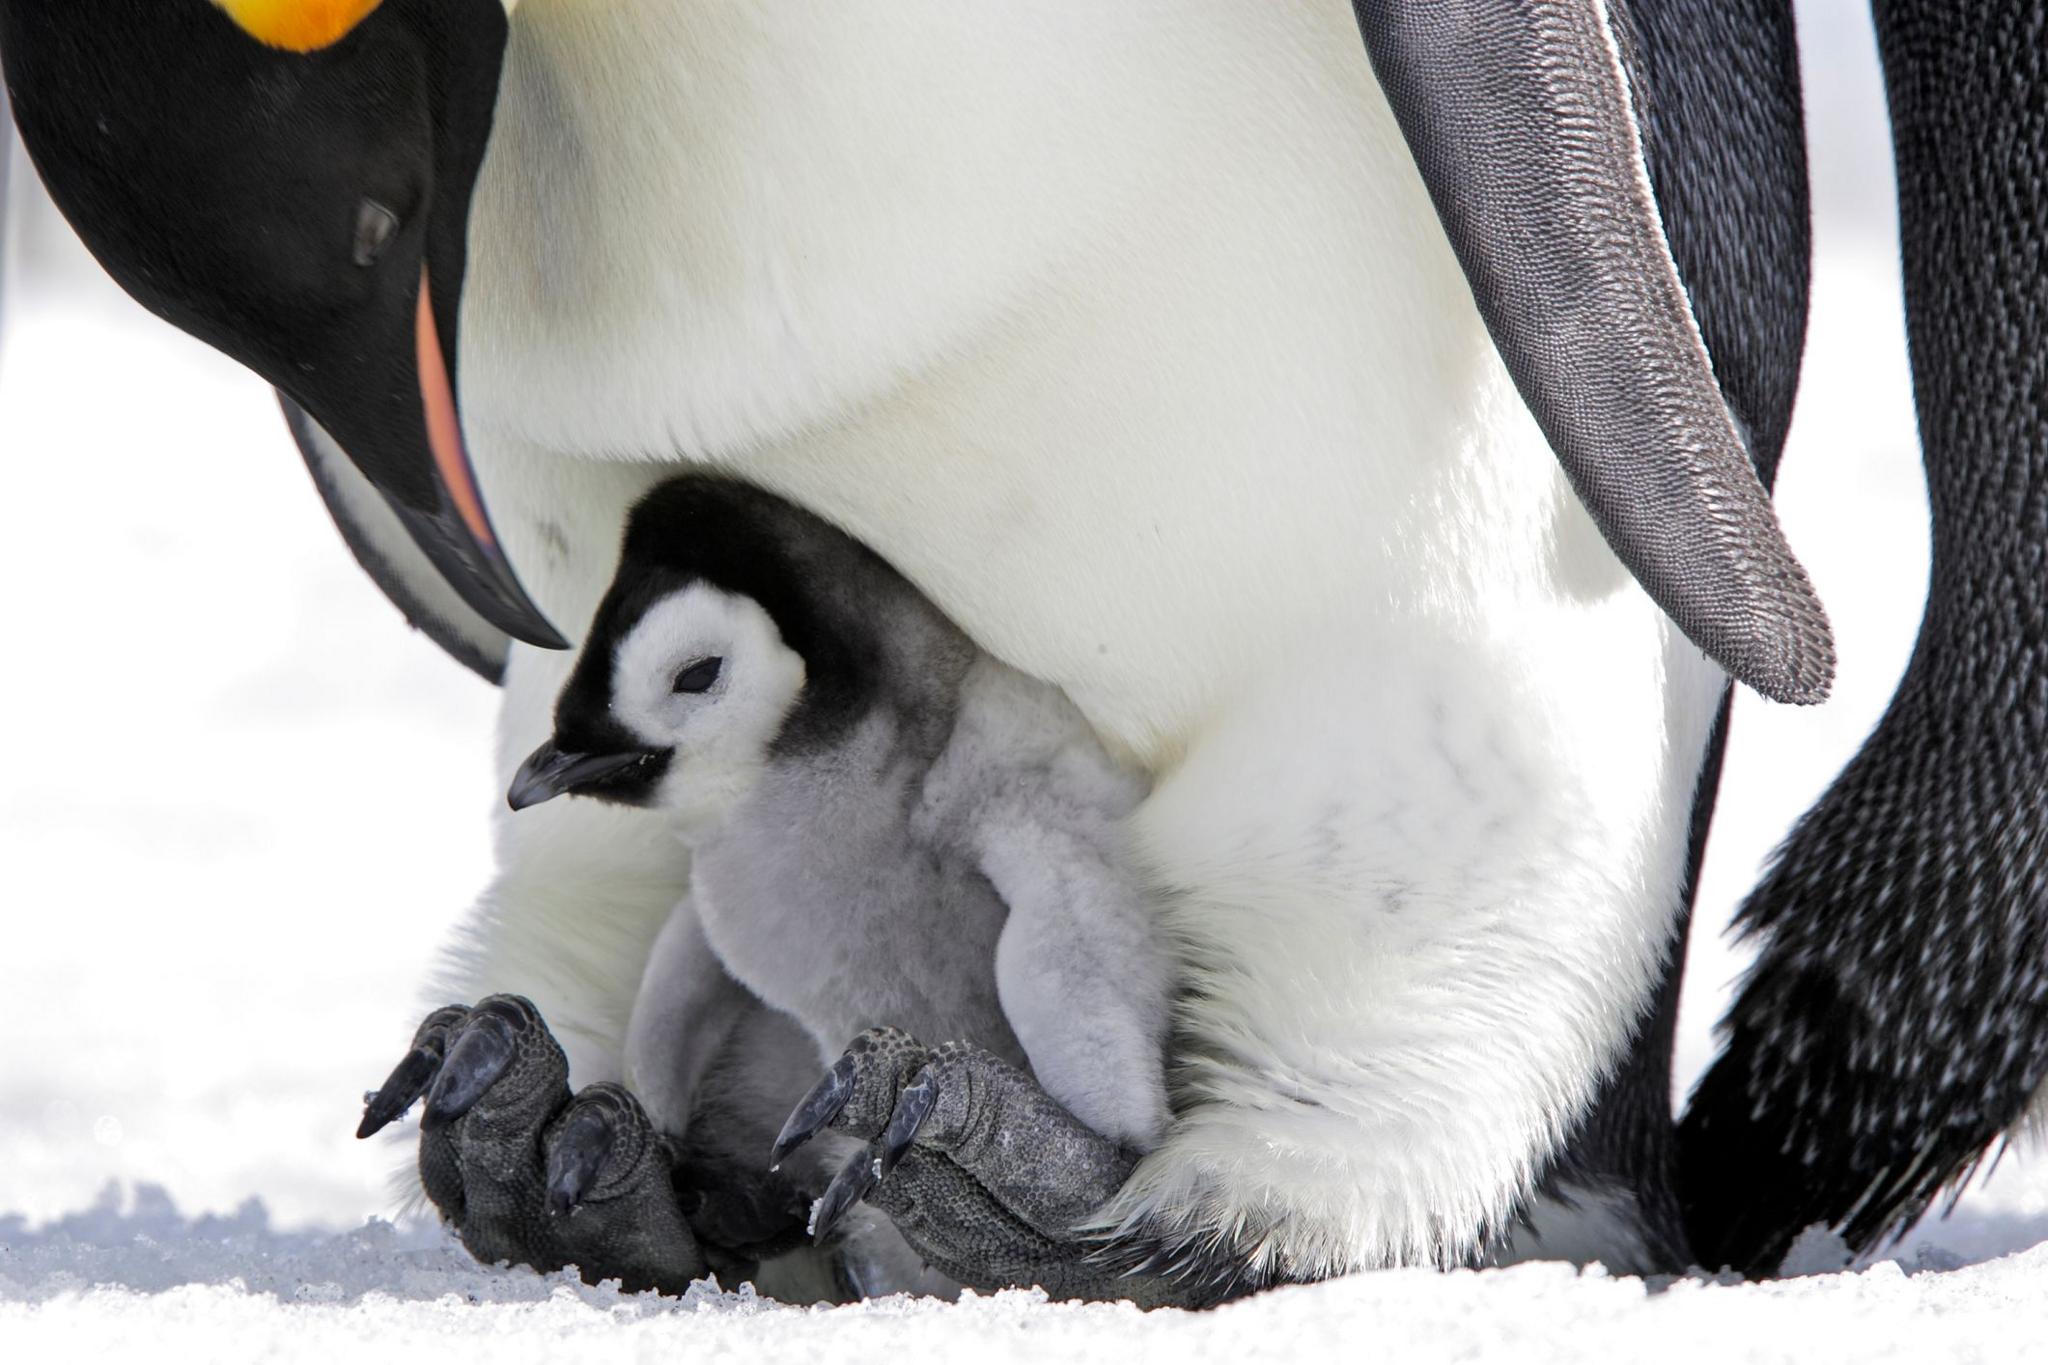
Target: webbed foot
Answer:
[[524, 1170], [987, 1176]]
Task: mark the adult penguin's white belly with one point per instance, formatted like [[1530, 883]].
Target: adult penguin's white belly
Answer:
[[1128, 333]]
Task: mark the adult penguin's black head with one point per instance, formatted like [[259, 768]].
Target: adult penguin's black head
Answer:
[[290, 181]]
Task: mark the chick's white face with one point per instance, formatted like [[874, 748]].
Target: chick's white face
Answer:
[[706, 674]]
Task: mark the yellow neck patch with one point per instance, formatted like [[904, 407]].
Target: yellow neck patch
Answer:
[[298, 25]]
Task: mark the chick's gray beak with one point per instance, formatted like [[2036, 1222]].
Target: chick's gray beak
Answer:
[[550, 772]]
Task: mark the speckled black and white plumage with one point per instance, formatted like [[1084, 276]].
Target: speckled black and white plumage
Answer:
[[1896, 1022]]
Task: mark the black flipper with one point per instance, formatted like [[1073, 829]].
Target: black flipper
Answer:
[[1718, 95], [390, 557], [1521, 119], [6, 174], [1724, 132], [1896, 1022]]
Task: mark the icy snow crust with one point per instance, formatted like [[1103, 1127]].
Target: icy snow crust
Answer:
[[125, 1280]]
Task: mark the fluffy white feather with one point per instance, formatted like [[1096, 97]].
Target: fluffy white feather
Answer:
[[1128, 333], [1417, 943], [719, 739]]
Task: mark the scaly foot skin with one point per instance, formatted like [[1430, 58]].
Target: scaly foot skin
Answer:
[[527, 1172], [987, 1176]]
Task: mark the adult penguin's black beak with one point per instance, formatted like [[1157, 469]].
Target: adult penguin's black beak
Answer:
[[292, 184], [454, 529]]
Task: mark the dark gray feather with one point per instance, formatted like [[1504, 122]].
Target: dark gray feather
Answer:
[[1717, 93], [1520, 118]]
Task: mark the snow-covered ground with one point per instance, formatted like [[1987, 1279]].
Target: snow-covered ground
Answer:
[[229, 1289], [240, 807]]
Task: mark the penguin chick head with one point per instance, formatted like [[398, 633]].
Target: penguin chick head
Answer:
[[680, 712], [738, 630]]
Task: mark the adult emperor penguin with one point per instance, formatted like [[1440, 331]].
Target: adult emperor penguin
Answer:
[[1396, 522]]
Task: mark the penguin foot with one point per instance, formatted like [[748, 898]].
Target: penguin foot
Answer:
[[988, 1177], [527, 1172]]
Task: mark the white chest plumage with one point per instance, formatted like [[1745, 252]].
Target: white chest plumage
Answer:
[[1128, 334]]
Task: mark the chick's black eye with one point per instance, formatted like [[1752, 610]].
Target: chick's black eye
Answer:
[[699, 676], [375, 227]]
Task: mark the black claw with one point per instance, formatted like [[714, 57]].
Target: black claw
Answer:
[[405, 1084], [585, 1140], [848, 1188], [481, 1053], [827, 1098], [913, 1107]]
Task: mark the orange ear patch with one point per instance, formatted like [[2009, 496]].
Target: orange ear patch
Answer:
[[298, 25]]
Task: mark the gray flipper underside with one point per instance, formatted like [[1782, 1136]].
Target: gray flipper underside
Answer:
[[387, 553], [1520, 118], [1718, 98]]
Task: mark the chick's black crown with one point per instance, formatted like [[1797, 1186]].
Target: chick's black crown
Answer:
[[818, 585]]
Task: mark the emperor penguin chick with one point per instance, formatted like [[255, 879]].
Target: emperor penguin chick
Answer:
[[886, 825]]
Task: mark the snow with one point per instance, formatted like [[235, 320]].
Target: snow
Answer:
[[224, 873], [113, 1282]]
